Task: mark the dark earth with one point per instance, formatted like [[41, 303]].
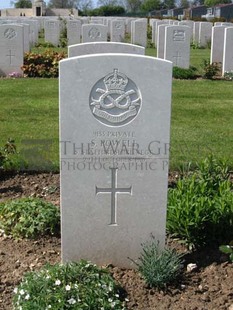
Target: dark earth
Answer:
[[209, 287]]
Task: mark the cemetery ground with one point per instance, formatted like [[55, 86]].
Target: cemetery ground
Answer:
[[209, 287], [201, 125]]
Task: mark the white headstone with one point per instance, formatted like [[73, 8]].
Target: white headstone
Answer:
[[196, 30], [228, 51], [11, 49], [161, 40], [74, 31], [114, 136], [94, 33], [139, 32], [104, 47], [52, 31], [205, 32], [177, 45], [217, 43], [117, 32]]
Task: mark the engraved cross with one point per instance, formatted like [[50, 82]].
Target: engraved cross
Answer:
[[10, 55], [114, 190], [176, 57]]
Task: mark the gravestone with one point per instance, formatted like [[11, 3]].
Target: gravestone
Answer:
[[94, 33], [161, 40], [228, 51], [139, 32], [74, 31], [114, 141], [205, 32], [52, 31], [217, 43], [104, 47], [196, 31], [117, 31], [11, 49], [177, 45]]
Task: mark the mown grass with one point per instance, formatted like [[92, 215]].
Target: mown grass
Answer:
[[201, 124]]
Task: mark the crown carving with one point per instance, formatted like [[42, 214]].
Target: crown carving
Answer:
[[116, 80]]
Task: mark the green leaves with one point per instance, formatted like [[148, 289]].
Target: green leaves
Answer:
[[79, 286], [200, 208], [29, 218], [159, 267], [227, 249]]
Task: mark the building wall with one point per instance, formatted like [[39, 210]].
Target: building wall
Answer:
[[29, 12], [16, 12]]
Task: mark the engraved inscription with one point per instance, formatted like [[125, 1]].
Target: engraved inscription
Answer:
[[10, 33], [10, 55], [113, 190], [94, 33], [178, 35], [115, 100]]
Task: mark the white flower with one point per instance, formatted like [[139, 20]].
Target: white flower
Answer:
[[57, 282], [110, 300], [71, 301], [27, 296], [21, 292], [15, 290], [68, 287], [87, 265], [117, 295], [113, 304]]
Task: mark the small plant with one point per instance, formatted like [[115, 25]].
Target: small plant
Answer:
[[5, 154], [228, 75], [210, 69], [15, 75], [200, 208], [43, 65], [79, 286], [182, 73], [227, 249], [159, 267], [29, 218]]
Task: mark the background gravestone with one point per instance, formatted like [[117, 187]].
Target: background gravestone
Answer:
[[94, 33], [11, 49], [114, 135]]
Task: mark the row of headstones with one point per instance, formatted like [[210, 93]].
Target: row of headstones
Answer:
[[173, 43], [115, 29]]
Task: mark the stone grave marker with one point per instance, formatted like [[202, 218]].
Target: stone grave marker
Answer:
[[74, 31], [139, 32], [117, 31], [177, 45], [217, 43], [52, 31], [228, 51], [114, 141], [161, 40], [205, 32], [11, 49], [104, 47], [94, 33]]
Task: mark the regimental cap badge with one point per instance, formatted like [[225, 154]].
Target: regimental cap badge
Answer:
[[116, 81], [115, 100]]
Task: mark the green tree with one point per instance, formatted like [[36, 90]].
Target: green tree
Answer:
[[133, 5], [184, 4], [63, 4], [168, 4], [215, 2], [22, 4], [150, 5]]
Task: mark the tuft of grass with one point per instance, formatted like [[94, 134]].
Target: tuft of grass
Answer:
[[159, 268]]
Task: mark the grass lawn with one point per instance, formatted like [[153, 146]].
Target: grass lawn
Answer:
[[202, 119]]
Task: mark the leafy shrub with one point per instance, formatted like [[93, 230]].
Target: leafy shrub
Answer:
[[79, 286], [200, 208], [29, 218], [210, 69], [181, 73], [5, 154], [159, 267], [43, 65]]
